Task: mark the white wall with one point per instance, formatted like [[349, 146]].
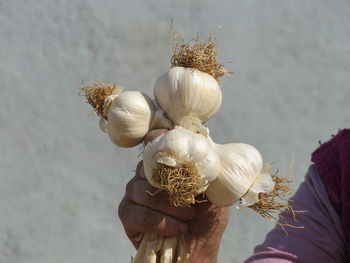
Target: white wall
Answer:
[[61, 179]]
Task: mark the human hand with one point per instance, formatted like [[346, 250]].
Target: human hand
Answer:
[[203, 224]]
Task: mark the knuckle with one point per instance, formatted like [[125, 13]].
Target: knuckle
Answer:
[[167, 227], [121, 210], [188, 214]]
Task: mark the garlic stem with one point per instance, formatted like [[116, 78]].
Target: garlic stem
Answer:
[[151, 251], [140, 255], [168, 249], [102, 124], [191, 123], [182, 255], [160, 121]]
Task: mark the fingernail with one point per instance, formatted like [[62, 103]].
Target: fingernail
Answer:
[[183, 228]]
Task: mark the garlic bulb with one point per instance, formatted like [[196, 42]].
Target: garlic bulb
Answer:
[[241, 176], [130, 115], [182, 163], [188, 96]]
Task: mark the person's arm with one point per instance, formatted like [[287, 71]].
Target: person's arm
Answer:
[[321, 239]]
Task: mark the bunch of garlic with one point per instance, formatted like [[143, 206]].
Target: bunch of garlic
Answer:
[[185, 162]]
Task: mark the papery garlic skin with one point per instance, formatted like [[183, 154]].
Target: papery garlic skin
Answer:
[[188, 96], [130, 115], [240, 177], [178, 146], [262, 184]]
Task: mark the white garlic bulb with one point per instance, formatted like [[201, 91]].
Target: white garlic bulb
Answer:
[[178, 150], [241, 176], [130, 115], [188, 96]]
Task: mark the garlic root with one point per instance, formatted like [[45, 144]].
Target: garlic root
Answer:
[[97, 93], [198, 54], [182, 183], [267, 201]]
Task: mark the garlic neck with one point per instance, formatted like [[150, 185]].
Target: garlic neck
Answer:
[[108, 102], [190, 122], [159, 121]]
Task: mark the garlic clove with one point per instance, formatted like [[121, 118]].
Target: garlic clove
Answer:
[[168, 161]]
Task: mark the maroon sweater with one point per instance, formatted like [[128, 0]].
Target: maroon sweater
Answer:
[[332, 160]]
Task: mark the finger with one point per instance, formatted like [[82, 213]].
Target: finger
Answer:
[[141, 192], [138, 219], [154, 134], [209, 218]]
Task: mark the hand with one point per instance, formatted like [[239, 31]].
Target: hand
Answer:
[[202, 223]]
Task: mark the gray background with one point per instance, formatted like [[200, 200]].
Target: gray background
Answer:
[[62, 179]]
